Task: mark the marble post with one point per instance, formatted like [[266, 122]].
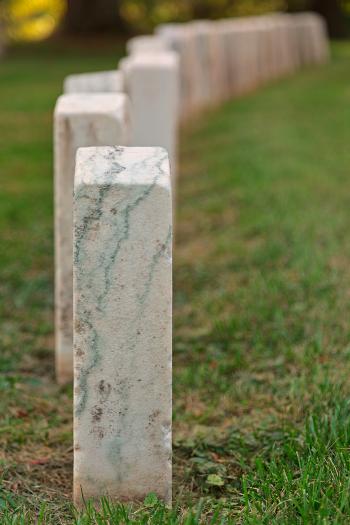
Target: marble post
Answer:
[[224, 33], [181, 39], [280, 47], [80, 120], [274, 47], [152, 82], [286, 45], [262, 31], [313, 43], [201, 30], [100, 82], [122, 323], [244, 56], [319, 38]]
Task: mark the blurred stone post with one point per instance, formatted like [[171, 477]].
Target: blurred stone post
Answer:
[[152, 83], [80, 120]]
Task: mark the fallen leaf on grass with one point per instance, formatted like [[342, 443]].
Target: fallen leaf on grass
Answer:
[[215, 480], [39, 461]]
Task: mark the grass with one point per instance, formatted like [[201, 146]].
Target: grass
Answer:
[[262, 289]]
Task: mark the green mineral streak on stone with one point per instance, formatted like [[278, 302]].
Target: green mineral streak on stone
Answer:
[[114, 455], [126, 213], [155, 259]]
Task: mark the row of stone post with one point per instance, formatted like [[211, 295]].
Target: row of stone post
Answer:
[[226, 58], [115, 132]]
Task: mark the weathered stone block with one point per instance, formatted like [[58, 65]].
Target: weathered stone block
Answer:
[[181, 39], [152, 83], [80, 120], [122, 323]]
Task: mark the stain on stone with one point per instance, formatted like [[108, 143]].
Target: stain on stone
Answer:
[[79, 352], [123, 412], [98, 432], [104, 390], [155, 259], [153, 416], [114, 455], [79, 326], [123, 235], [96, 413]]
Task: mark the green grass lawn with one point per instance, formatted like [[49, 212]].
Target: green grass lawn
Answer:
[[262, 305]]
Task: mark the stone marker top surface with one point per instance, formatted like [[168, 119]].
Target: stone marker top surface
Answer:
[[159, 58], [173, 28], [104, 81], [146, 166], [146, 43], [90, 103]]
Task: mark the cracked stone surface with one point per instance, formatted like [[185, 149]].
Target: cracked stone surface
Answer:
[[122, 323], [80, 120]]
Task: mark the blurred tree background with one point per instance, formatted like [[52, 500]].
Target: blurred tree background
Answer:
[[39, 19]]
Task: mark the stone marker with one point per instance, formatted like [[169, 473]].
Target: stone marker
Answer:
[[202, 41], [152, 83], [239, 53], [265, 35], [319, 38], [181, 38], [100, 82], [80, 120], [285, 44], [122, 323], [218, 66], [312, 38]]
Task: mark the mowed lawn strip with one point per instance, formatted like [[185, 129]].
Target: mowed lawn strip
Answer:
[[262, 291], [262, 301]]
